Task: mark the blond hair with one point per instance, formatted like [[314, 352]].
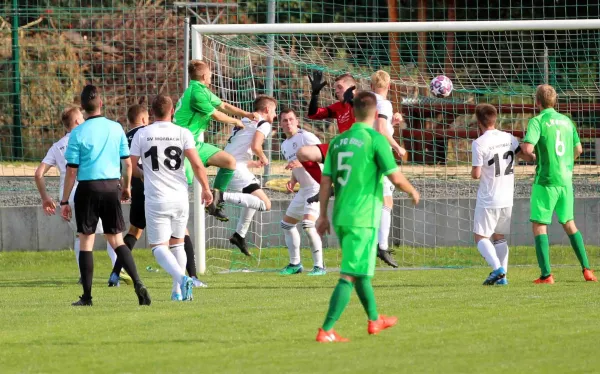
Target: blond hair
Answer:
[[380, 79], [346, 78], [198, 69], [545, 95], [68, 114]]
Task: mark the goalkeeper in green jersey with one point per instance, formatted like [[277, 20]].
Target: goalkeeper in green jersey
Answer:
[[556, 143], [194, 111], [356, 162]]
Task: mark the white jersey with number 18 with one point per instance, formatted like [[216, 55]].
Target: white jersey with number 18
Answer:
[[160, 146], [495, 151]]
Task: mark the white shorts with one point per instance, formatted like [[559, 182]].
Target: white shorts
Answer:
[[242, 178], [388, 187], [488, 221], [73, 223], [299, 207], [166, 220]]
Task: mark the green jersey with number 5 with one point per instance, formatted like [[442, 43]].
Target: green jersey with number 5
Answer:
[[356, 161], [555, 137]]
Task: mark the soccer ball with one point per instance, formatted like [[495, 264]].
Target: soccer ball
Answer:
[[441, 86]]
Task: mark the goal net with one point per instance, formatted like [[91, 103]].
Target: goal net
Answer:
[[500, 63]]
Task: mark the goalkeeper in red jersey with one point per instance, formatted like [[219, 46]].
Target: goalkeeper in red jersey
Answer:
[[310, 156]]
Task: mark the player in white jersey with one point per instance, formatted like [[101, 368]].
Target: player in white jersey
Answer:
[[162, 147], [386, 119], [71, 117], [299, 208], [494, 156], [244, 189]]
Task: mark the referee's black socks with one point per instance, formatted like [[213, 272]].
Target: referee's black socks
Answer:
[[126, 258], [86, 270], [130, 241], [190, 266]]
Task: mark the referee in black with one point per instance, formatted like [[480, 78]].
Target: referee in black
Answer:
[[94, 154]]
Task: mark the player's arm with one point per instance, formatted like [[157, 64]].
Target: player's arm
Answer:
[[232, 110], [136, 153], [190, 152], [323, 226], [477, 162], [381, 127], [48, 205], [222, 117], [257, 144], [316, 85], [126, 167], [531, 139], [578, 149], [136, 171], [72, 157], [385, 161], [208, 105]]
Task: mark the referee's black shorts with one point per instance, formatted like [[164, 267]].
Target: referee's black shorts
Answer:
[[99, 199], [137, 211]]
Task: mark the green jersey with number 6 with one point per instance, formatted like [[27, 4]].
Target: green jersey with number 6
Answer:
[[356, 161], [555, 138]]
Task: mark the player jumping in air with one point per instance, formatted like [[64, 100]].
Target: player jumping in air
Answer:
[[554, 138], [245, 187], [194, 111], [356, 163], [341, 111], [71, 118], [162, 147], [300, 208], [384, 124], [494, 156]]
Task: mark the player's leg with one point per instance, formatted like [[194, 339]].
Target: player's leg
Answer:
[[565, 214], [311, 213], [112, 220], [383, 251], [239, 236], [484, 224], [542, 202], [499, 241], [241, 190], [179, 222], [292, 236]]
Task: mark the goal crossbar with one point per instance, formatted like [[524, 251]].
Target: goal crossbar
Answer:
[[398, 27]]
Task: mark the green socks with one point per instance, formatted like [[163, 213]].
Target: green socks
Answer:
[[364, 289], [222, 179], [542, 251], [577, 244], [339, 300]]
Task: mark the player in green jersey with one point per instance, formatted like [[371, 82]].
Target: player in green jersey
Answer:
[[556, 143], [194, 111], [356, 163]]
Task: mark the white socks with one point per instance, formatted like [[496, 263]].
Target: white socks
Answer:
[[111, 253], [245, 200], [487, 250], [316, 245], [502, 252], [77, 248], [167, 261], [179, 253], [245, 220], [292, 241], [384, 228]]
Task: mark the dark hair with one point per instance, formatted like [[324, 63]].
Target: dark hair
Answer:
[[262, 101], [486, 114], [287, 111], [365, 104], [135, 111], [346, 77], [161, 106], [90, 99]]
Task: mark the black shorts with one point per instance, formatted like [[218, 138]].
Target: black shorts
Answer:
[[99, 200], [137, 211]]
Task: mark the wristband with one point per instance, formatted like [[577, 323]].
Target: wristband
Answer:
[[63, 203]]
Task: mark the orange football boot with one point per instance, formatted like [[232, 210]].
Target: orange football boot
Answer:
[[549, 280], [382, 323], [589, 276], [330, 337]]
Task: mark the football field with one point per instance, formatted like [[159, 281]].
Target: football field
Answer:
[[266, 323]]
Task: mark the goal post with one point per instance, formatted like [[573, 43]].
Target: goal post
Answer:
[[499, 62]]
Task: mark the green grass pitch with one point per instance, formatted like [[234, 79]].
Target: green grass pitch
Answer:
[[265, 323]]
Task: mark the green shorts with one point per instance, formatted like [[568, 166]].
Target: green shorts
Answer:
[[359, 250], [548, 199], [205, 151]]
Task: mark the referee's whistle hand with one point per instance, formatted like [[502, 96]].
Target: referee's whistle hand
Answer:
[[125, 194], [65, 212]]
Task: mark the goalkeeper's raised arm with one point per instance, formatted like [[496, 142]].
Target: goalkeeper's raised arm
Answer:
[[198, 105]]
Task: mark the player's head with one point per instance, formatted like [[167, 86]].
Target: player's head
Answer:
[[266, 106], [365, 107], [162, 108], [486, 116], [200, 71], [90, 100], [545, 96], [380, 80], [71, 117], [289, 121], [342, 83], [137, 115]]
